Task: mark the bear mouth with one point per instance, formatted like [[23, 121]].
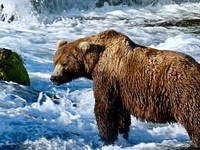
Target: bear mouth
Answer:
[[58, 80], [56, 83]]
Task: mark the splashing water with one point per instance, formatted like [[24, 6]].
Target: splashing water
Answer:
[[45, 116]]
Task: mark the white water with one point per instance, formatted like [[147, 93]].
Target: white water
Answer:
[[33, 120]]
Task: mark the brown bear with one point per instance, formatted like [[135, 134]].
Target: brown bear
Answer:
[[154, 85]]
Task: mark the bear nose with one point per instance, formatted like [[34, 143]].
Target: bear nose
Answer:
[[53, 78]]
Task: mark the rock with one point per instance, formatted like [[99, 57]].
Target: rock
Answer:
[[15, 95], [12, 68], [6, 17]]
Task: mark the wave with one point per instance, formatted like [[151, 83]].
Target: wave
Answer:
[[29, 9], [52, 6]]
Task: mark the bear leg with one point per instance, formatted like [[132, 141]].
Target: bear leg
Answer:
[[107, 121], [190, 119], [195, 136], [106, 109]]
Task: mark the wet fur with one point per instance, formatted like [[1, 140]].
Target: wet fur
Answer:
[[154, 85]]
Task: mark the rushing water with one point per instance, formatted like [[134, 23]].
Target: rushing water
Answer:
[[45, 116]]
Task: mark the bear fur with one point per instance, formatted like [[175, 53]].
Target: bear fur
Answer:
[[154, 85]]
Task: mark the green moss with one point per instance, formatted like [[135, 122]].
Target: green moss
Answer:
[[12, 68]]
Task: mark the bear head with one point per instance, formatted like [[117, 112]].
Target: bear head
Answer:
[[73, 60]]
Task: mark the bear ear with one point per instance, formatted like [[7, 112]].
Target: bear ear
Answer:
[[84, 46], [60, 43]]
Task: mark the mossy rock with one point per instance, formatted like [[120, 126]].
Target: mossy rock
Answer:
[[12, 68]]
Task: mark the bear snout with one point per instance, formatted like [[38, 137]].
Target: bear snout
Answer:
[[61, 79], [55, 80]]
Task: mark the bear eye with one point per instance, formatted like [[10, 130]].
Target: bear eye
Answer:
[[64, 65]]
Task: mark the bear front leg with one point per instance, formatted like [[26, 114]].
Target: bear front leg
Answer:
[[106, 110], [107, 122], [124, 122]]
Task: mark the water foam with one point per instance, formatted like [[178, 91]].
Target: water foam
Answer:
[[48, 10], [66, 120]]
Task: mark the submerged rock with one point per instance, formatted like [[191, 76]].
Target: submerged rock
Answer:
[[12, 68], [13, 95]]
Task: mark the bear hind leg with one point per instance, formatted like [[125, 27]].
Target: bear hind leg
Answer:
[[191, 122], [195, 137]]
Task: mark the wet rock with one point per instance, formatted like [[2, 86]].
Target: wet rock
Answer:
[[6, 17], [12, 68], [101, 3]]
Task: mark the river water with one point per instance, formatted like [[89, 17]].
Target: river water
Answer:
[[44, 116]]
